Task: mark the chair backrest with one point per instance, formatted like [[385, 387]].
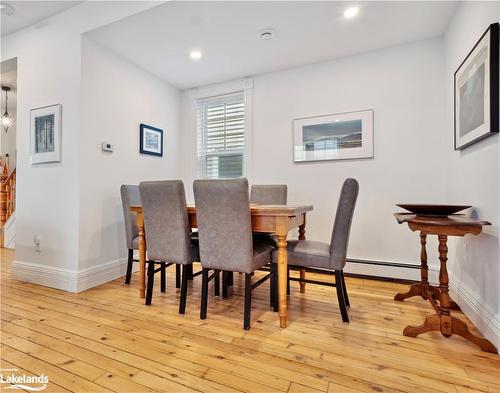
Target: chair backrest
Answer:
[[224, 224], [272, 194], [166, 222], [342, 225], [130, 196]]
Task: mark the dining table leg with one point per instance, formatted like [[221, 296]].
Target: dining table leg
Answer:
[[282, 279], [281, 234], [142, 254]]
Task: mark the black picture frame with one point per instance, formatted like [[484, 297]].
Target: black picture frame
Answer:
[[143, 149], [494, 112]]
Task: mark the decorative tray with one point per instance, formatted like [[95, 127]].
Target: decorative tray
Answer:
[[430, 210]]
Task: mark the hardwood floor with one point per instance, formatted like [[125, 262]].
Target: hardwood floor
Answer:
[[105, 339]]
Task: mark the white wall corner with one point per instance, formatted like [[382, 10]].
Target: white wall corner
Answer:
[[474, 307], [69, 280]]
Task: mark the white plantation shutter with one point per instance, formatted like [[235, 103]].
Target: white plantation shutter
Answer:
[[221, 136]]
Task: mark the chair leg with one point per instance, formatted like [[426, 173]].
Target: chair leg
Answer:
[[204, 294], [163, 273], [302, 277], [190, 272], [184, 285], [217, 283], [276, 296], [271, 285], [225, 279], [276, 307], [151, 279], [130, 263], [288, 281], [345, 290], [177, 276], [248, 301], [340, 296], [230, 279]]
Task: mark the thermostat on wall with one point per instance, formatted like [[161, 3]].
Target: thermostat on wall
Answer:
[[107, 147]]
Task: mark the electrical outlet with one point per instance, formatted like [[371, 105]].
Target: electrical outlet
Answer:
[[107, 147], [37, 240]]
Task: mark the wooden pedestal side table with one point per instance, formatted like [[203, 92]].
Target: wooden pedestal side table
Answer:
[[439, 298]]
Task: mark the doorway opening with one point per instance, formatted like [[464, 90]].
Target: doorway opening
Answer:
[[8, 152]]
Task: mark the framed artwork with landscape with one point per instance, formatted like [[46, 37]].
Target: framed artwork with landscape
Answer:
[[45, 134], [477, 91], [151, 141], [333, 137]]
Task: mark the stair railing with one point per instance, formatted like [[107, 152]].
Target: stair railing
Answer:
[[7, 194]]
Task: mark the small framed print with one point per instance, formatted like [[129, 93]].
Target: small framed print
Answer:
[[477, 91], [151, 141], [333, 137], [45, 134]]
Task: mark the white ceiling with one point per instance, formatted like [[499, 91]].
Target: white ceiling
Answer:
[[160, 39], [28, 13]]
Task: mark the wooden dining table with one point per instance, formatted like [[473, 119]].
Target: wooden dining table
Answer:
[[274, 219]]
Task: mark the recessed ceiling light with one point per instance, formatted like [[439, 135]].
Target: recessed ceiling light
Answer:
[[7, 10], [195, 55], [267, 34], [351, 12]]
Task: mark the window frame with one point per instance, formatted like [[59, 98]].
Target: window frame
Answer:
[[245, 88]]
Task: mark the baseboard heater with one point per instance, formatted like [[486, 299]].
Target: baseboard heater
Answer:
[[384, 264], [366, 276]]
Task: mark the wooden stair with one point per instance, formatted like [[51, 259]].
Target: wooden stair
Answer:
[[7, 195]]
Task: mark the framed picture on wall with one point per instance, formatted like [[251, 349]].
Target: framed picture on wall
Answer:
[[45, 134], [477, 91], [333, 137], [151, 141]]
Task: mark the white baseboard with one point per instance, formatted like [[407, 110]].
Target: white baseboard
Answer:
[[472, 306], [69, 280]]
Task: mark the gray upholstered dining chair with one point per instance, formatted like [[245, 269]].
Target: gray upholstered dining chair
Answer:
[[322, 257], [225, 237], [168, 233], [130, 196], [269, 194]]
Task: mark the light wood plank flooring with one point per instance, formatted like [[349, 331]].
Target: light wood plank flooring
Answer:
[[105, 339]]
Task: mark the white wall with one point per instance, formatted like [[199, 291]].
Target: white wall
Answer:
[[116, 97], [473, 178], [48, 196], [405, 87]]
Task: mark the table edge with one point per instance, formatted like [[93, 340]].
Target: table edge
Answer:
[[265, 210], [411, 217]]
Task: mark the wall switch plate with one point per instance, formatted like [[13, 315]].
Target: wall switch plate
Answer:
[[108, 147]]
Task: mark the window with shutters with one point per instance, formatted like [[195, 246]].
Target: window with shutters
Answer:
[[221, 136]]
